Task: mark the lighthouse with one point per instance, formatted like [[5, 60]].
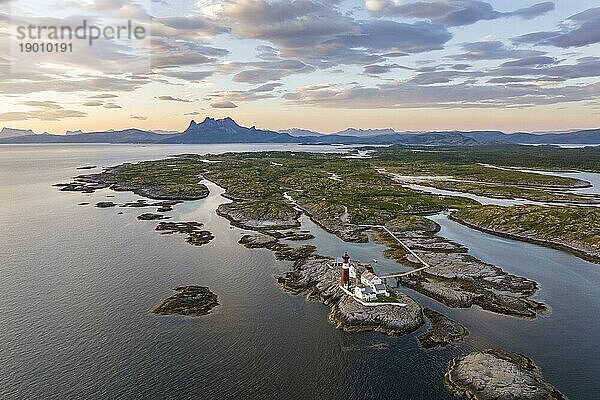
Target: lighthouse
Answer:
[[345, 281]]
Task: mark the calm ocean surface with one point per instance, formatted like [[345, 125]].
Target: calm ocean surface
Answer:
[[77, 282]]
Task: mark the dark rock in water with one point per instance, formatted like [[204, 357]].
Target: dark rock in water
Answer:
[[195, 236], [257, 240], [80, 186], [285, 252], [120, 213], [152, 217], [191, 300], [163, 206], [247, 215], [291, 235], [497, 374], [442, 332], [83, 204], [88, 167], [137, 204], [105, 204], [282, 251]]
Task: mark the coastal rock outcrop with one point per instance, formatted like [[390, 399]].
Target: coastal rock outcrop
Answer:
[[457, 279], [442, 331], [151, 217], [105, 204], [190, 300], [257, 240], [195, 235], [248, 215], [496, 374]]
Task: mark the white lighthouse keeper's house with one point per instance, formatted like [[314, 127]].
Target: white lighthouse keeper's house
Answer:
[[374, 282]]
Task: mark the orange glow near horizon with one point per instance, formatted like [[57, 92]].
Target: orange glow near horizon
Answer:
[[333, 120]]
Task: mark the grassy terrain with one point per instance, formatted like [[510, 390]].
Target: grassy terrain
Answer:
[[536, 157], [512, 191], [257, 183], [367, 196], [472, 172], [579, 226], [178, 177]]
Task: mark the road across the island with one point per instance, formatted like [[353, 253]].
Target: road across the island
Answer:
[[399, 275]]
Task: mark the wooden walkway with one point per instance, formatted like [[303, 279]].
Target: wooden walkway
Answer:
[[401, 274]]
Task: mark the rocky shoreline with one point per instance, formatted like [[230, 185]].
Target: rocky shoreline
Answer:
[[496, 374], [318, 280], [109, 178], [234, 212], [457, 279], [195, 235], [579, 251], [190, 300], [442, 331]]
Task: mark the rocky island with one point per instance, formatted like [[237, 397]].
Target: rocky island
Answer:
[[496, 374], [442, 332], [190, 300], [315, 277], [195, 235]]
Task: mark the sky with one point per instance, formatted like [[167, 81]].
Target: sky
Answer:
[[322, 65]]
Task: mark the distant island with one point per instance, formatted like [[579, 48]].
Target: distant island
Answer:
[[226, 130]]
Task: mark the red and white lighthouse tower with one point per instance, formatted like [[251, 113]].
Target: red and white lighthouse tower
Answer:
[[345, 281]]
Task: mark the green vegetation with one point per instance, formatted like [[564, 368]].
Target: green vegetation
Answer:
[[171, 178], [536, 157], [363, 194], [473, 172], [392, 298], [513, 191], [343, 193], [575, 227]]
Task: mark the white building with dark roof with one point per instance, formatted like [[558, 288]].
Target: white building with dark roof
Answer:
[[365, 293], [369, 279], [380, 290], [374, 282]]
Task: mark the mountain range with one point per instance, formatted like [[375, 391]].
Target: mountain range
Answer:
[[226, 130]]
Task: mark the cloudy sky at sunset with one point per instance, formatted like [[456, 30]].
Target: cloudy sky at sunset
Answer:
[[323, 65]]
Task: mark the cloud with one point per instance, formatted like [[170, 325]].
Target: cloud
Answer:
[[381, 69], [139, 117], [195, 27], [93, 103], [103, 96], [269, 70], [258, 93], [43, 111], [171, 98], [409, 95], [111, 105], [11, 83], [436, 77], [492, 50], [319, 34], [578, 30], [530, 61], [453, 12], [223, 104], [190, 76]]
